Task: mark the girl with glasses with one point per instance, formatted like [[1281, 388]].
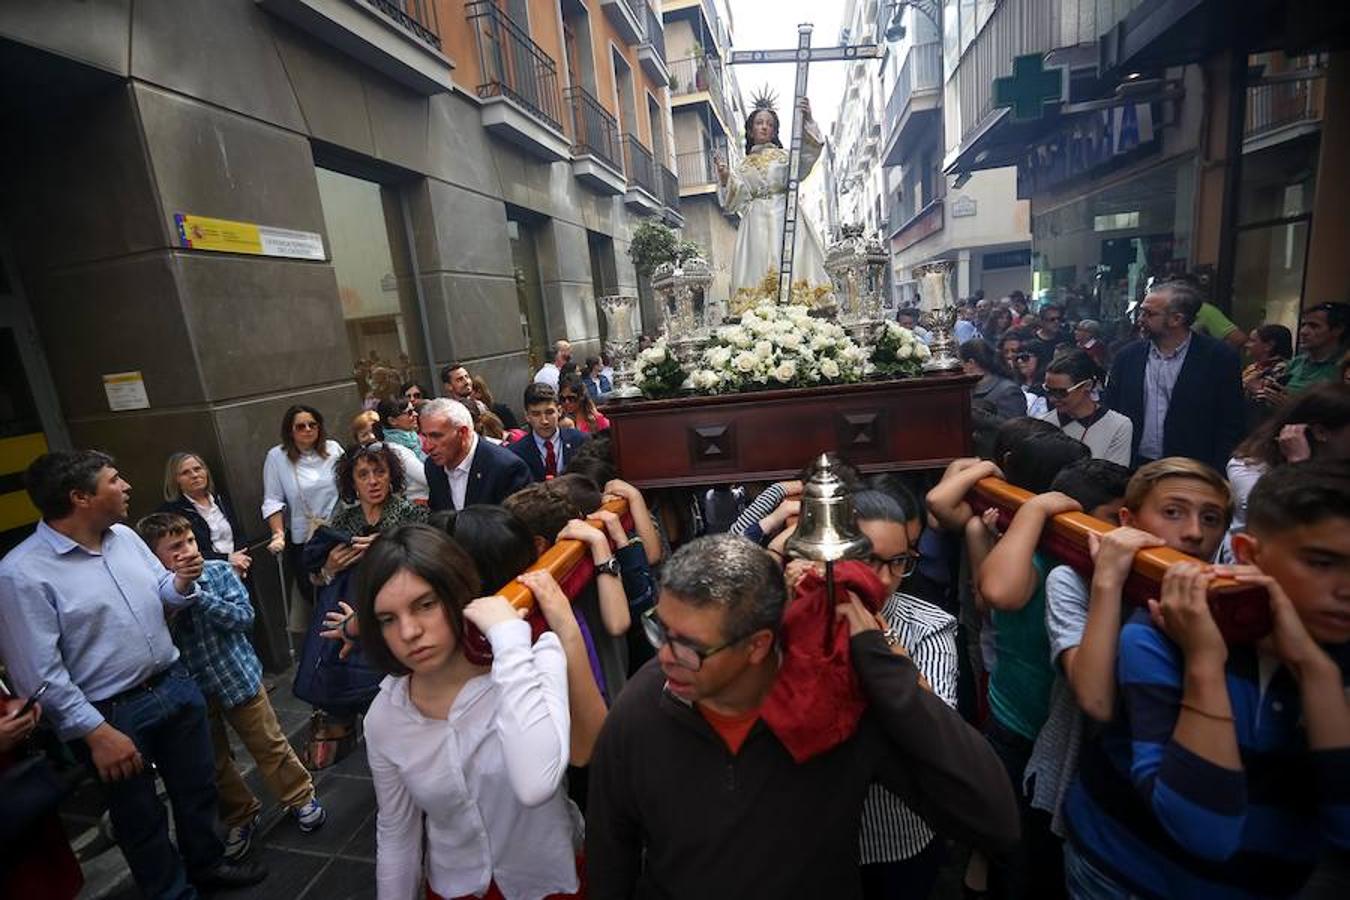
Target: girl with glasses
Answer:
[[575, 402], [1070, 387]]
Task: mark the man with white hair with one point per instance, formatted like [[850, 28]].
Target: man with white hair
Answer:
[[461, 469], [549, 371]]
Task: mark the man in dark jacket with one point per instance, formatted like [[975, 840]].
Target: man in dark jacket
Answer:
[[547, 449], [461, 468], [1182, 390], [693, 795]]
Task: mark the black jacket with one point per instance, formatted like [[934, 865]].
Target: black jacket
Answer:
[[1205, 417], [673, 814], [528, 450], [494, 475], [200, 530]]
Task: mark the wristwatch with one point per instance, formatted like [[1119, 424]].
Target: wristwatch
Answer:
[[608, 567]]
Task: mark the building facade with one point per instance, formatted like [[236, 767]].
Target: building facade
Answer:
[[976, 222], [213, 209], [708, 117], [1187, 136], [858, 180]]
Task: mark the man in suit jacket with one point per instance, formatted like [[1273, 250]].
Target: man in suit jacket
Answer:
[[461, 469], [1182, 390], [546, 443]]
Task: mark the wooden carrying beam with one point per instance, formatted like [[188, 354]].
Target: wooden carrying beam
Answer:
[[1242, 611], [559, 560]]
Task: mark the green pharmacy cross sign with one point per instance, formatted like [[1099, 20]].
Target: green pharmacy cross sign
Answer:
[[1030, 87]]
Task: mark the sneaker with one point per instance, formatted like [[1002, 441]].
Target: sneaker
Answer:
[[310, 816], [240, 839]]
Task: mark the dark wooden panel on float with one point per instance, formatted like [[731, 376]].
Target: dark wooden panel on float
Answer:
[[879, 426]]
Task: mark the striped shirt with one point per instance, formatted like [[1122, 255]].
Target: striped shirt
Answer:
[[1165, 822], [1161, 372], [890, 830], [747, 523]]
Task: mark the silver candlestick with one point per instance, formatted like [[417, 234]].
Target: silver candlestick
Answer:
[[939, 308], [620, 342]]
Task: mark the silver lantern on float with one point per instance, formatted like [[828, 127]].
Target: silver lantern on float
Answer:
[[620, 342], [938, 306], [857, 268], [682, 287]]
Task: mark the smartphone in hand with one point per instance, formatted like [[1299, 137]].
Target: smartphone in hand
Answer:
[[33, 700]]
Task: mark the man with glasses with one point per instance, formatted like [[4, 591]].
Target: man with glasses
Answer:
[[693, 795], [1182, 391], [1050, 327]]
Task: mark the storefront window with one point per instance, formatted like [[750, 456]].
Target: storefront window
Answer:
[[379, 301], [1097, 253]]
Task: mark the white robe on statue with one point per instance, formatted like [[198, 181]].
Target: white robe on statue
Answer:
[[757, 190]]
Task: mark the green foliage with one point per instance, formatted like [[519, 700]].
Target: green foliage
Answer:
[[654, 243]]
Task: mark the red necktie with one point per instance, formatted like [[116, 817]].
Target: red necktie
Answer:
[[550, 460]]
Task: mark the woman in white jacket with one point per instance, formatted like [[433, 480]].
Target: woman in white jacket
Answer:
[[477, 753]]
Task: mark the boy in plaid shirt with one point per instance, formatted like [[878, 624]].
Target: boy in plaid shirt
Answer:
[[212, 637]]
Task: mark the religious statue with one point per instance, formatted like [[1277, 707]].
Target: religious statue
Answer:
[[756, 190]]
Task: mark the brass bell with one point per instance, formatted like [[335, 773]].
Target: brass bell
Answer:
[[828, 527]]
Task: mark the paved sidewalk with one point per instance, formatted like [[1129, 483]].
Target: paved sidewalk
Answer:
[[337, 862]]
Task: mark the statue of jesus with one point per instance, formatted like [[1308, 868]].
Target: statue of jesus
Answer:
[[755, 190]]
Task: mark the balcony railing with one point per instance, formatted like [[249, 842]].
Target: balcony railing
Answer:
[[656, 32], [696, 168], [695, 74], [670, 188], [417, 16], [641, 168], [922, 70], [514, 66], [1282, 103], [594, 130]]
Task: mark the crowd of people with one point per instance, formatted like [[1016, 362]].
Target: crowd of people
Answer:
[[699, 721]]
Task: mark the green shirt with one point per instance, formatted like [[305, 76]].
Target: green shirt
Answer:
[[1210, 320], [1304, 372], [1019, 688]]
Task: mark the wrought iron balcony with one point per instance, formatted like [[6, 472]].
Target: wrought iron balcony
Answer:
[[417, 16], [920, 77], [626, 18], [701, 74], [652, 50], [696, 170], [513, 66], [594, 131], [670, 188], [644, 185], [1282, 104], [656, 32]]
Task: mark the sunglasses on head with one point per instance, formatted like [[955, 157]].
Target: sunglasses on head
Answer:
[[1061, 393]]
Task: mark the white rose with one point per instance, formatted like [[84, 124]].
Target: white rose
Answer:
[[719, 357], [745, 362], [921, 350], [829, 368], [904, 351], [763, 350], [786, 371], [790, 339]]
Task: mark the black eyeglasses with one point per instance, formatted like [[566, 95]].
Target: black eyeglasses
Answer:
[[903, 565], [305, 426], [1023, 357], [688, 655]]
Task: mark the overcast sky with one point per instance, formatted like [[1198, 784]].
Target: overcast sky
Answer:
[[772, 25]]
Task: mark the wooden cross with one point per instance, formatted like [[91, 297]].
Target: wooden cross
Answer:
[[803, 56]]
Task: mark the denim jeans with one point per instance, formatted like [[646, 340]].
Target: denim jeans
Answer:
[[168, 725], [1087, 882]]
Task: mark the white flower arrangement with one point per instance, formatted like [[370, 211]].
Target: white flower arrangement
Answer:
[[658, 372], [777, 346], [898, 352]]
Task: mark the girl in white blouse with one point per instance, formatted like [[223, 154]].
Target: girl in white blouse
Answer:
[[299, 493], [476, 754]]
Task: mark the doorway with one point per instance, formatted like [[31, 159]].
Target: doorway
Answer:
[[30, 417]]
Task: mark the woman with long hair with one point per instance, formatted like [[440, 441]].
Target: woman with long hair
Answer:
[[1029, 373], [997, 325], [398, 421], [1070, 387], [483, 394], [575, 402], [1314, 424], [299, 494], [468, 761], [1270, 348], [995, 384]]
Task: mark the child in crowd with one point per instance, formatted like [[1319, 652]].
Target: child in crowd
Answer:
[[548, 446], [212, 635], [468, 761], [1226, 769]]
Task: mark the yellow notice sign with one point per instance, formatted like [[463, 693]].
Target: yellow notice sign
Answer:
[[226, 236]]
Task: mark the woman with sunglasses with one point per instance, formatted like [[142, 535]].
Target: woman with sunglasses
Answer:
[[900, 854], [575, 402], [1070, 386], [398, 419], [299, 495], [366, 429]]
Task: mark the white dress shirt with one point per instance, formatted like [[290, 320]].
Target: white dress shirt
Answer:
[[306, 485], [548, 374], [487, 780], [542, 445], [459, 475], [1161, 371], [222, 535], [415, 475]]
